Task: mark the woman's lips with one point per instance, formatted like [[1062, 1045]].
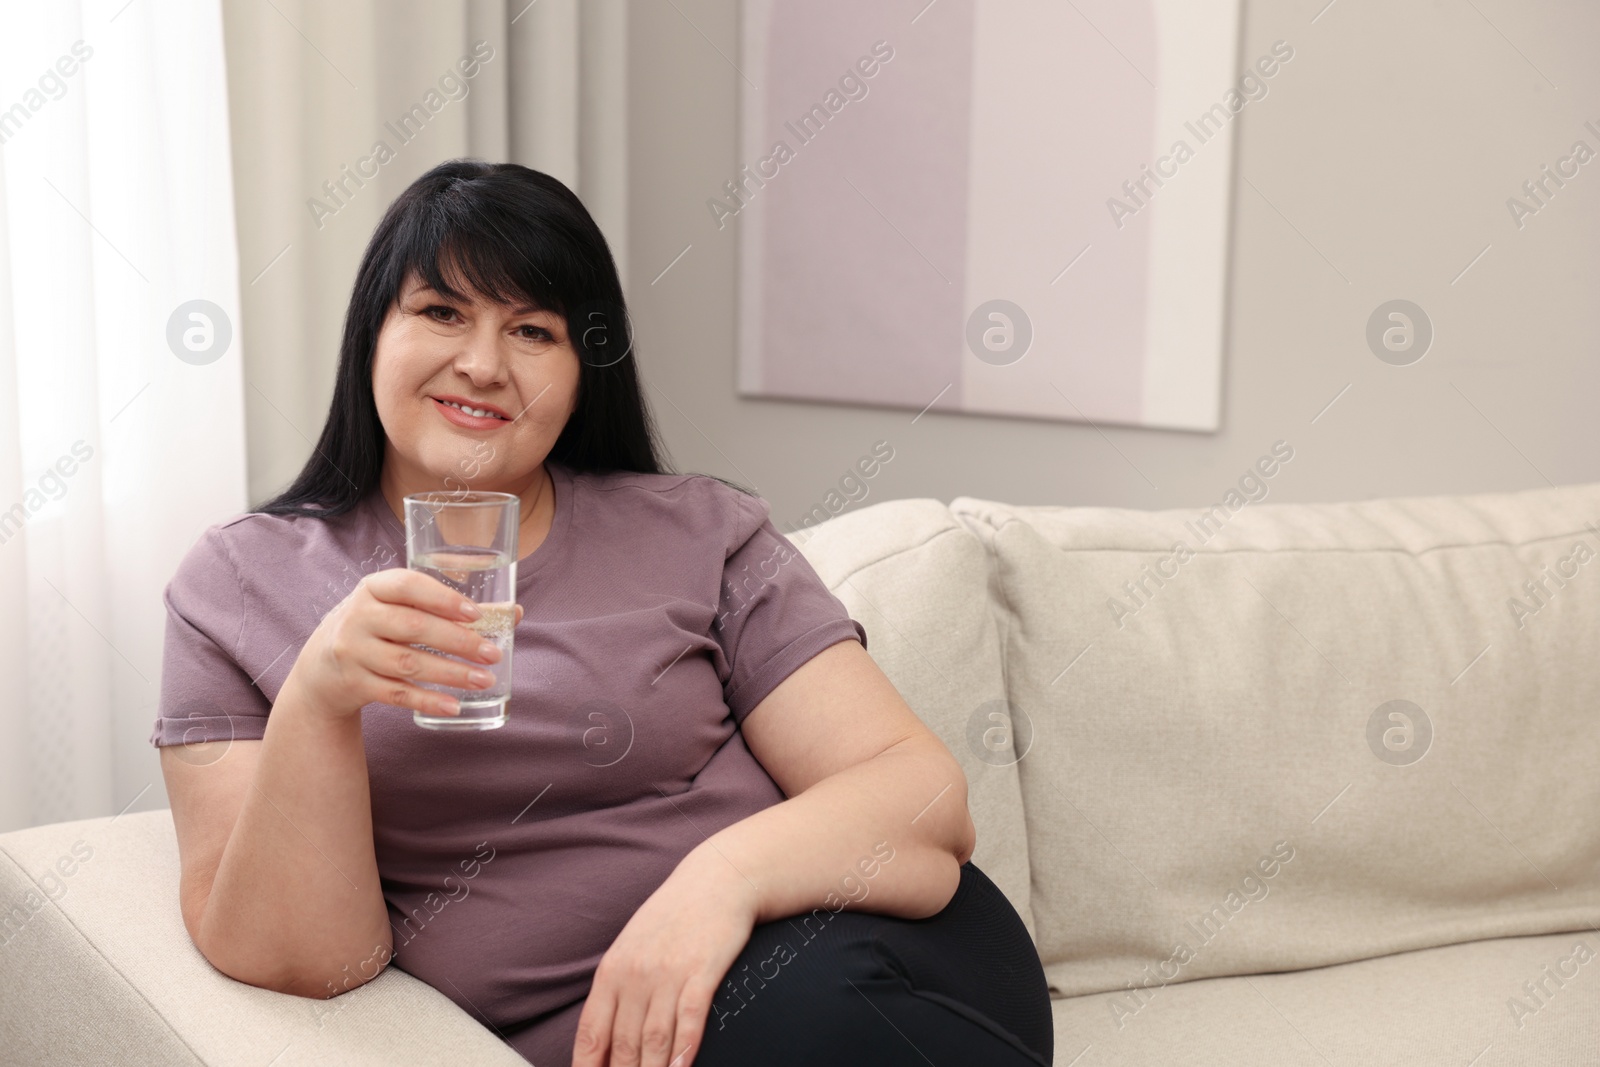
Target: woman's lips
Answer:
[[469, 422]]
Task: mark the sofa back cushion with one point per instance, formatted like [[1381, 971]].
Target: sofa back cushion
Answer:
[[1272, 737], [917, 580]]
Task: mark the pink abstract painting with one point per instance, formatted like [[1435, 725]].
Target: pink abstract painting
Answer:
[[1013, 207]]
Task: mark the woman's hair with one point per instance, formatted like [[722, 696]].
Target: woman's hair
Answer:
[[515, 236]]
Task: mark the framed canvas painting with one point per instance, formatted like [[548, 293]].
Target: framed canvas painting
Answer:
[[1007, 207]]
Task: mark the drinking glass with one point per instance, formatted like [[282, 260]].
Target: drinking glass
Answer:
[[468, 541]]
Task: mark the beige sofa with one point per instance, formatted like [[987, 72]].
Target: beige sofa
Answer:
[[1270, 784]]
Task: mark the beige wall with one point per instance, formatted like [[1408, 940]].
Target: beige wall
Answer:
[[1378, 167]]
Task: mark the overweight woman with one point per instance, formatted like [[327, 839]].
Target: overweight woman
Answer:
[[711, 832]]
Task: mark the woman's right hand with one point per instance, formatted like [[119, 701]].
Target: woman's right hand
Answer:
[[360, 653]]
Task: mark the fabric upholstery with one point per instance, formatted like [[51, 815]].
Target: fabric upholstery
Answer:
[[1436, 1007], [1241, 704], [106, 973]]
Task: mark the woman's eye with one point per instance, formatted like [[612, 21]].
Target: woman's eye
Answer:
[[539, 333], [438, 307]]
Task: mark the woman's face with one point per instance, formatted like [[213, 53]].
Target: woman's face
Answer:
[[518, 364]]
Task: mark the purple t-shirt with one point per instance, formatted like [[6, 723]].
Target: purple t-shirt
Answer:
[[658, 612]]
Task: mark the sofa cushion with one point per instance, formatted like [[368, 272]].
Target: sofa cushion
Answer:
[[1273, 736], [1533, 1001], [917, 580], [96, 968]]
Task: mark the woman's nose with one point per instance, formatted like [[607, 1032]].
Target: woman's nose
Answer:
[[482, 359]]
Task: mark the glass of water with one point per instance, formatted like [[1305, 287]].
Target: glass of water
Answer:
[[468, 541]]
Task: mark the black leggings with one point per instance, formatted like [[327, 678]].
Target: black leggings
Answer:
[[851, 988]]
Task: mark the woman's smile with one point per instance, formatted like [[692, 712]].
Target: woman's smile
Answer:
[[451, 409]]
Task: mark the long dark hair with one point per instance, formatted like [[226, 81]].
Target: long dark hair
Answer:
[[515, 236]]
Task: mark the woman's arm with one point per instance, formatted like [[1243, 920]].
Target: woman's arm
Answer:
[[280, 879], [865, 779], [876, 819], [280, 876]]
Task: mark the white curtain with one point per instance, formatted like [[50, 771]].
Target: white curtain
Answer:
[[314, 87], [121, 415]]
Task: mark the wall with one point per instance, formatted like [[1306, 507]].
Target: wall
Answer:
[[1378, 167]]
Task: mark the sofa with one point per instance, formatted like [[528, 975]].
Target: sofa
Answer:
[[1268, 783]]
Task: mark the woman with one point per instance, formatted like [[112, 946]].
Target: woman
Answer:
[[711, 831]]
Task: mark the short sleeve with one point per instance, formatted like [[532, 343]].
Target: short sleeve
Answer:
[[205, 694], [775, 613]]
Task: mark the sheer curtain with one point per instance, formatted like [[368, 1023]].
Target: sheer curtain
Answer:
[[121, 415]]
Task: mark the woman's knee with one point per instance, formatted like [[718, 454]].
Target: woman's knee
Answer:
[[811, 980], [801, 959], [838, 991]]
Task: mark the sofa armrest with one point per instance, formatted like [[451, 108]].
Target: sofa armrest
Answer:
[[97, 967]]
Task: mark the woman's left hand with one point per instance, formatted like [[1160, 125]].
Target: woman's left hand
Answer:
[[653, 988]]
